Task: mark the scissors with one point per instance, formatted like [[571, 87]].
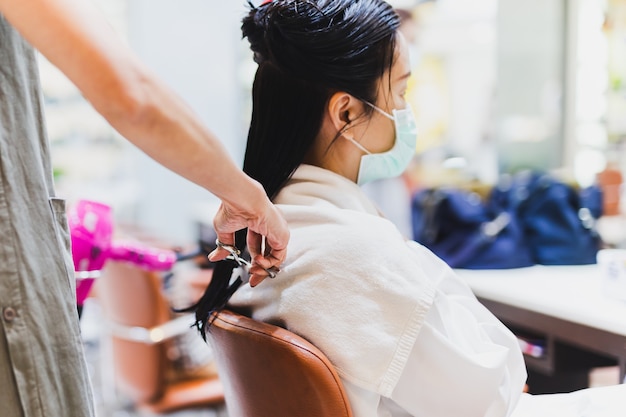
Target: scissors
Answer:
[[235, 255]]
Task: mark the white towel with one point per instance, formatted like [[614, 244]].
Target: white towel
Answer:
[[351, 284]]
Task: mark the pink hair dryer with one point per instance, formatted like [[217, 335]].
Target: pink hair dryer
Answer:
[[91, 231]]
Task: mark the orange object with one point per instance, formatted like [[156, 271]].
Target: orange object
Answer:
[[134, 306], [610, 180], [268, 371]]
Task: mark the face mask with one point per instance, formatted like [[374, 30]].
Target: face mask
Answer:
[[392, 163]]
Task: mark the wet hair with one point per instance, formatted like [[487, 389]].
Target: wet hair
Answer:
[[306, 51]]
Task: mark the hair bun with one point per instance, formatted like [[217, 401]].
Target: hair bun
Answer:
[[304, 38], [279, 31], [254, 27]]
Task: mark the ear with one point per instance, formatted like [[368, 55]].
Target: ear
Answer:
[[343, 110]]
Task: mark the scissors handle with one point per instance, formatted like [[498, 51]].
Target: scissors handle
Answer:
[[235, 255]]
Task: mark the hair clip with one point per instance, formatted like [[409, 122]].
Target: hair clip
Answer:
[[263, 3]]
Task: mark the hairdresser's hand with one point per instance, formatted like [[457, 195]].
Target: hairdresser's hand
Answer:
[[267, 235]]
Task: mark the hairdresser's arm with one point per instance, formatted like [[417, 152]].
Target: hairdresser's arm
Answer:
[[75, 37]]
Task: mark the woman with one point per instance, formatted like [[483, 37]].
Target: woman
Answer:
[[407, 337]]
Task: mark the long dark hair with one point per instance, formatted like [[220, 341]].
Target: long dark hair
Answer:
[[306, 51]]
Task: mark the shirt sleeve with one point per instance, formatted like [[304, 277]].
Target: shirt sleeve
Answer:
[[465, 362]]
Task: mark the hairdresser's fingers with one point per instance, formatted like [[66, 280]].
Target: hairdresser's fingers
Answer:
[[268, 262], [218, 254], [225, 225], [262, 218], [262, 266], [255, 242], [275, 248], [256, 279], [274, 228], [262, 254], [276, 241], [258, 274]]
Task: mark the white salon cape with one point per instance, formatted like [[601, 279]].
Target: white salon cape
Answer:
[[406, 335]]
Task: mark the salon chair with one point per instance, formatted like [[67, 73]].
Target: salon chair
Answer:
[[267, 371], [138, 321]]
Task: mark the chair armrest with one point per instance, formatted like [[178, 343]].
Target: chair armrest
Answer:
[[152, 335]]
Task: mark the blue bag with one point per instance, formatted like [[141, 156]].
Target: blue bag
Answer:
[[558, 221], [459, 228], [530, 218]]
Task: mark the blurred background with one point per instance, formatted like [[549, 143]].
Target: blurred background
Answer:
[[498, 86]]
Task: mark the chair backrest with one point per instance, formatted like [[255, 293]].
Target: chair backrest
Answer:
[[268, 371], [132, 297]]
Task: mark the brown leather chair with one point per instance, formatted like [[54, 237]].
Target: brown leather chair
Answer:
[[138, 320], [268, 371]]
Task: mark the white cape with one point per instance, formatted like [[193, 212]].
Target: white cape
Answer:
[[351, 282]]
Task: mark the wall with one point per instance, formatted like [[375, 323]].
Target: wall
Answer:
[[530, 83], [194, 46]]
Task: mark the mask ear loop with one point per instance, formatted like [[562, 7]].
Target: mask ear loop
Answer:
[[381, 111], [357, 144]]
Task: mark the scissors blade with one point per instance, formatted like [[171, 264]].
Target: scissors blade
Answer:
[[242, 262]]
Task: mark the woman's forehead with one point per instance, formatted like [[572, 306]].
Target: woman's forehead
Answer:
[[401, 64]]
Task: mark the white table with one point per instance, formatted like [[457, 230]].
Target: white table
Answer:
[[582, 325]]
